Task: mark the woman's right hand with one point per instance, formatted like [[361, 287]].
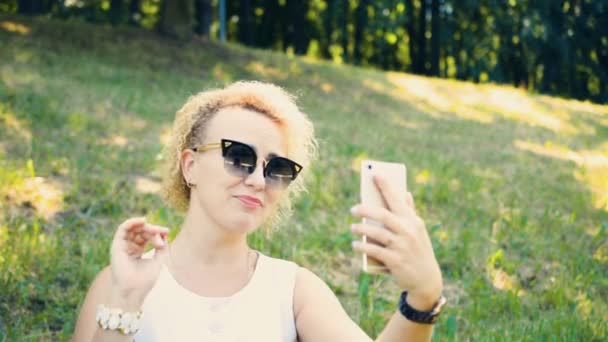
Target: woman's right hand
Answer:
[[132, 276]]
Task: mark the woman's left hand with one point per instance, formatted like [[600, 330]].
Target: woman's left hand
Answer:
[[407, 251]]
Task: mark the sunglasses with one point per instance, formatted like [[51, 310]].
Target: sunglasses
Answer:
[[241, 160]]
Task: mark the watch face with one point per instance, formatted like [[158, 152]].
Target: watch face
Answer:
[[439, 305]]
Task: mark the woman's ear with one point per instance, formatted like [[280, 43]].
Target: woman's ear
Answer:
[[187, 164]]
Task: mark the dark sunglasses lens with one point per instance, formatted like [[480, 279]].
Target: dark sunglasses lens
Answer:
[[280, 171], [239, 159]]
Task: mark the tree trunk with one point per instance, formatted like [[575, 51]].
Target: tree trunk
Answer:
[[328, 28], [245, 27], [176, 17], [344, 28], [203, 16], [31, 7], [134, 12], [360, 25], [435, 38], [298, 13], [411, 33], [117, 11], [421, 39], [268, 30], [284, 36]]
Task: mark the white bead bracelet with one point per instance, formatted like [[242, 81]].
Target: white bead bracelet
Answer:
[[115, 319]]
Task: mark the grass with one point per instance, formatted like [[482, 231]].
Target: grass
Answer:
[[513, 186]]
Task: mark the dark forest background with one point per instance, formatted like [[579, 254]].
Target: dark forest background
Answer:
[[557, 47]]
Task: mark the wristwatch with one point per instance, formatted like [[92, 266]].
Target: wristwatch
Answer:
[[424, 317]]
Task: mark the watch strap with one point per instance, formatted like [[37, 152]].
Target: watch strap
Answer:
[[423, 317]]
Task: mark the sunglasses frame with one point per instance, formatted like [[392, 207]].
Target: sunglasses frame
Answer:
[[224, 144]]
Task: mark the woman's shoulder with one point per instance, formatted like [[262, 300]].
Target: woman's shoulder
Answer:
[[302, 275], [304, 279], [310, 290], [279, 269], [277, 261]]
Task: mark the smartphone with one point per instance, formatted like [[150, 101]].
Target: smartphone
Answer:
[[396, 176]]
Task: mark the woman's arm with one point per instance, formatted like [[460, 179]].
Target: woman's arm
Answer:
[[406, 251], [400, 328], [100, 292], [318, 313], [126, 264], [320, 316]]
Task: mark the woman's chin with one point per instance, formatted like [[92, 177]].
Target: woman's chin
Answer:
[[243, 224], [244, 219]]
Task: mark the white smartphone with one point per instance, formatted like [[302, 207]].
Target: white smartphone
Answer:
[[395, 174]]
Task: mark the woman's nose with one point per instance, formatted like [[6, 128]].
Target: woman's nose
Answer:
[[256, 179]]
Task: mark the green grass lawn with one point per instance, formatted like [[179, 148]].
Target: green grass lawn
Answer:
[[513, 186]]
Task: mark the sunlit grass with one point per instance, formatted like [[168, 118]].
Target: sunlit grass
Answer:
[[512, 186], [486, 103], [593, 166], [14, 27]]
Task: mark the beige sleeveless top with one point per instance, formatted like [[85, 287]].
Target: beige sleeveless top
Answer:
[[260, 311]]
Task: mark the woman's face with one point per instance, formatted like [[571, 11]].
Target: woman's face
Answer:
[[239, 204]]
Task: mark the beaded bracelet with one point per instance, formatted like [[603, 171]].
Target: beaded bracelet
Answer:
[[115, 319]]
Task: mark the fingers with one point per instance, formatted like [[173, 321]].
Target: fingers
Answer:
[[393, 200], [153, 234], [380, 234], [409, 199], [128, 225], [384, 255], [135, 233], [382, 215]]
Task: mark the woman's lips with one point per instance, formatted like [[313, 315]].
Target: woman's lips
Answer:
[[250, 202]]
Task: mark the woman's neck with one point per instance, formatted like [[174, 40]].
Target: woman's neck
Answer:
[[202, 242]]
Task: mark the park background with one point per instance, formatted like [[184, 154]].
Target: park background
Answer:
[[498, 108]]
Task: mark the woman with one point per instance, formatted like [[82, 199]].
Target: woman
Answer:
[[235, 161]]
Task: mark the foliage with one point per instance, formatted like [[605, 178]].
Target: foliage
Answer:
[[557, 47]]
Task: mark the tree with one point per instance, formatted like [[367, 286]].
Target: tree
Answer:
[[267, 28], [552, 46], [297, 12], [134, 12], [360, 25], [118, 12], [33, 7], [410, 28], [421, 40], [245, 25], [435, 37], [344, 19], [203, 14], [176, 18]]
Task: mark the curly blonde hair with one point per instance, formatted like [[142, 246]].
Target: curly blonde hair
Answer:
[[192, 120]]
